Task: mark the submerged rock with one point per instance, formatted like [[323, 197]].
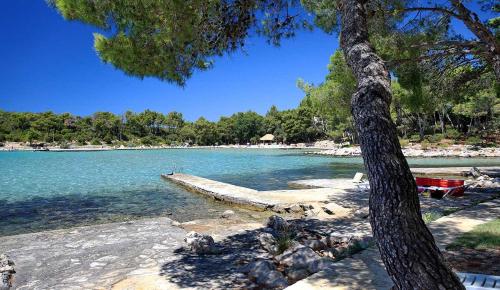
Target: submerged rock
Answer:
[[6, 272], [200, 244]]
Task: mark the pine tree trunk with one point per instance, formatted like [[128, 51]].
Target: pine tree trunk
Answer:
[[406, 245]]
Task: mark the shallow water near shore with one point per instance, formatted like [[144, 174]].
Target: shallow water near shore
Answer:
[[50, 190]]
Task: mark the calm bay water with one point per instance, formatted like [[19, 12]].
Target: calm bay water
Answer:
[[49, 190]]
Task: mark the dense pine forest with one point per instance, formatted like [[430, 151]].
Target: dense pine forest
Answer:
[[469, 113]]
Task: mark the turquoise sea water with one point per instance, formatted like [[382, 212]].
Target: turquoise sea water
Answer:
[[48, 190]]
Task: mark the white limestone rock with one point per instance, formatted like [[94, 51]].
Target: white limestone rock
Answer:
[[297, 274], [200, 244], [316, 245], [6, 272], [299, 259], [267, 242], [227, 214], [272, 280], [278, 224], [320, 265]]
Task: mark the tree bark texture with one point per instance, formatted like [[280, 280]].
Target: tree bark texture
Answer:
[[407, 247]]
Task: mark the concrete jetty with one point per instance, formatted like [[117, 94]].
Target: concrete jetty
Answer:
[[271, 200]]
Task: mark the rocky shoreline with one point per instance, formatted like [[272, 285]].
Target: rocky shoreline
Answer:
[[324, 148], [462, 151]]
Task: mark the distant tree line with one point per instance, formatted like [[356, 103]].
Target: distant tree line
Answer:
[[154, 128], [427, 112]]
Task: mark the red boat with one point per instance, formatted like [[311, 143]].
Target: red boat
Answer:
[[441, 187]]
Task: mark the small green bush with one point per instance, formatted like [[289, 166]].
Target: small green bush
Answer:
[[435, 138], [404, 142], [452, 134], [415, 138], [424, 144], [64, 145], [473, 140], [284, 242], [430, 216], [95, 142]]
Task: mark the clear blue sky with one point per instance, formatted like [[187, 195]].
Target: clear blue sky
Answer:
[[50, 64]]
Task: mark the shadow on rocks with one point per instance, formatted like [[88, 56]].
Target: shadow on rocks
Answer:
[[223, 270]]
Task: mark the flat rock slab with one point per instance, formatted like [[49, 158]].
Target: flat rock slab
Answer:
[[91, 257]]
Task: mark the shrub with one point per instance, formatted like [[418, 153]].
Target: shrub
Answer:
[[81, 142], [95, 142], [404, 142], [473, 140], [452, 134], [415, 138], [430, 216], [150, 141], [64, 145], [435, 138], [284, 242], [424, 144], [108, 140]]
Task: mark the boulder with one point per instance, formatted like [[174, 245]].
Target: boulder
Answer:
[[299, 259], [278, 223], [336, 238], [264, 273], [272, 280], [258, 268], [227, 214], [296, 208], [316, 245], [362, 213], [311, 213], [267, 242], [200, 244], [474, 172], [294, 246], [297, 274], [6, 272], [320, 265]]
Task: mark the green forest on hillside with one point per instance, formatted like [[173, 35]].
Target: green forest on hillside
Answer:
[[427, 112]]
